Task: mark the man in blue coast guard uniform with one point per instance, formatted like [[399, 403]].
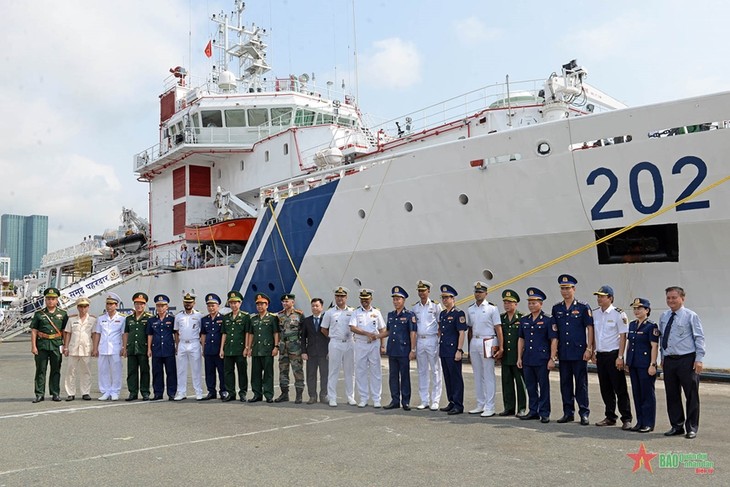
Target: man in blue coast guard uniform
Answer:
[[485, 345], [575, 349], [210, 332], [427, 347], [161, 347], [401, 330], [683, 350], [452, 328], [536, 350]]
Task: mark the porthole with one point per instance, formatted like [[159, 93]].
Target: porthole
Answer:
[[254, 287], [310, 222], [543, 148], [408, 206], [271, 286], [357, 282], [463, 199], [361, 213], [488, 275]]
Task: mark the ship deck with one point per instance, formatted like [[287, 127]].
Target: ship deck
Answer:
[[211, 443]]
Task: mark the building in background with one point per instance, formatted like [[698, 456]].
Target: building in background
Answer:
[[25, 240]]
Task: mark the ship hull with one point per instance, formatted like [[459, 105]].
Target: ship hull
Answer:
[[436, 213]]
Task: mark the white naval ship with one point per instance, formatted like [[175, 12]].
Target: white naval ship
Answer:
[[265, 184]]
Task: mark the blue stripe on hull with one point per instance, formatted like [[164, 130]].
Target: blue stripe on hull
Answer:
[[299, 219]]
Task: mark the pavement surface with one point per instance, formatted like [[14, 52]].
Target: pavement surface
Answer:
[[209, 442]]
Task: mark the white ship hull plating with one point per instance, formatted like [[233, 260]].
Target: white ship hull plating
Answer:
[[509, 218]]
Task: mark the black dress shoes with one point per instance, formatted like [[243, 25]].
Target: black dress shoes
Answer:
[[691, 435], [584, 421], [406, 407], [312, 400], [530, 416], [544, 420], [224, 395], [253, 399], [132, 397], [242, 398], [87, 397], [229, 397], [391, 406], [645, 429], [211, 395], [448, 408], [268, 400], [674, 431], [156, 398], [56, 398], [506, 413], [566, 419], [38, 399], [70, 398], [145, 397], [454, 411], [636, 427]]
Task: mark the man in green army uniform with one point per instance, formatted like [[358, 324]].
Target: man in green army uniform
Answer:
[[290, 348], [512, 377], [134, 347], [233, 341], [46, 338], [262, 345]]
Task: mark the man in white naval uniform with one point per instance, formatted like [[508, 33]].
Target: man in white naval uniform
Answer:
[[336, 326], [107, 337], [427, 347], [189, 349], [368, 327], [485, 345]]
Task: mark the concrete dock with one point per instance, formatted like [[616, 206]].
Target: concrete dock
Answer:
[[214, 443]]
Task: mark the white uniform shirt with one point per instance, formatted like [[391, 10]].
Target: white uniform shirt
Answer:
[[188, 325], [427, 316], [79, 345], [482, 319], [110, 330], [337, 321], [607, 326], [370, 320]]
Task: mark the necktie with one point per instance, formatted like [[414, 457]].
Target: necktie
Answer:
[[665, 337], [316, 323]]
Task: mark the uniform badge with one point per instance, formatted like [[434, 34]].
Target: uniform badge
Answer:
[[590, 313], [462, 319], [555, 327], [656, 332]]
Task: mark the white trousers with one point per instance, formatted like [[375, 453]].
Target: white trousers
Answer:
[[429, 366], [341, 356], [485, 382], [110, 374], [189, 354], [368, 374], [80, 364]]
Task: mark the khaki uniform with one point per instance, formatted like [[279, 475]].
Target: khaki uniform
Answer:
[[79, 354]]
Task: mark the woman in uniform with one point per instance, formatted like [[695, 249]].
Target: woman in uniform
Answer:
[[641, 359]]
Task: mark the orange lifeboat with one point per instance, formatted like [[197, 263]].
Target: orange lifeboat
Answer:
[[228, 231]]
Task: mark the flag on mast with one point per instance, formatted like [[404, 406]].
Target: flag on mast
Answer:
[[209, 49]]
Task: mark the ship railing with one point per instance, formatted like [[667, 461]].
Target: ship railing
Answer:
[[164, 258], [495, 96], [87, 247], [12, 325]]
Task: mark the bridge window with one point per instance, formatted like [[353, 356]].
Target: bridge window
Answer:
[[304, 118], [235, 118], [281, 116], [648, 243], [212, 118], [327, 118], [258, 116]]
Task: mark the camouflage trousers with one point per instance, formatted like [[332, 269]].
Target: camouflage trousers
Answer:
[[290, 355]]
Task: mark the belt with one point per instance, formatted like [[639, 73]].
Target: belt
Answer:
[[482, 336], [52, 336], [340, 340], [427, 336], [680, 356], [189, 341], [607, 353]]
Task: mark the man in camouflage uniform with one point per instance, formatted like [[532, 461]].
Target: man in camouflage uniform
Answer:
[[45, 344], [290, 348], [134, 347], [262, 345]]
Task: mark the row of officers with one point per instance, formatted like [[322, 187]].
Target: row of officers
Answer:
[[528, 346]]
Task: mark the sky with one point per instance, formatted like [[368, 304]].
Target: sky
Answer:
[[80, 80]]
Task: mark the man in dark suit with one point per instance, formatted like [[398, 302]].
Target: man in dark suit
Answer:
[[314, 350]]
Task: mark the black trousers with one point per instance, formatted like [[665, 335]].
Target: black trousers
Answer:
[[613, 386], [213, 365], [679, 375], [313, 364]]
